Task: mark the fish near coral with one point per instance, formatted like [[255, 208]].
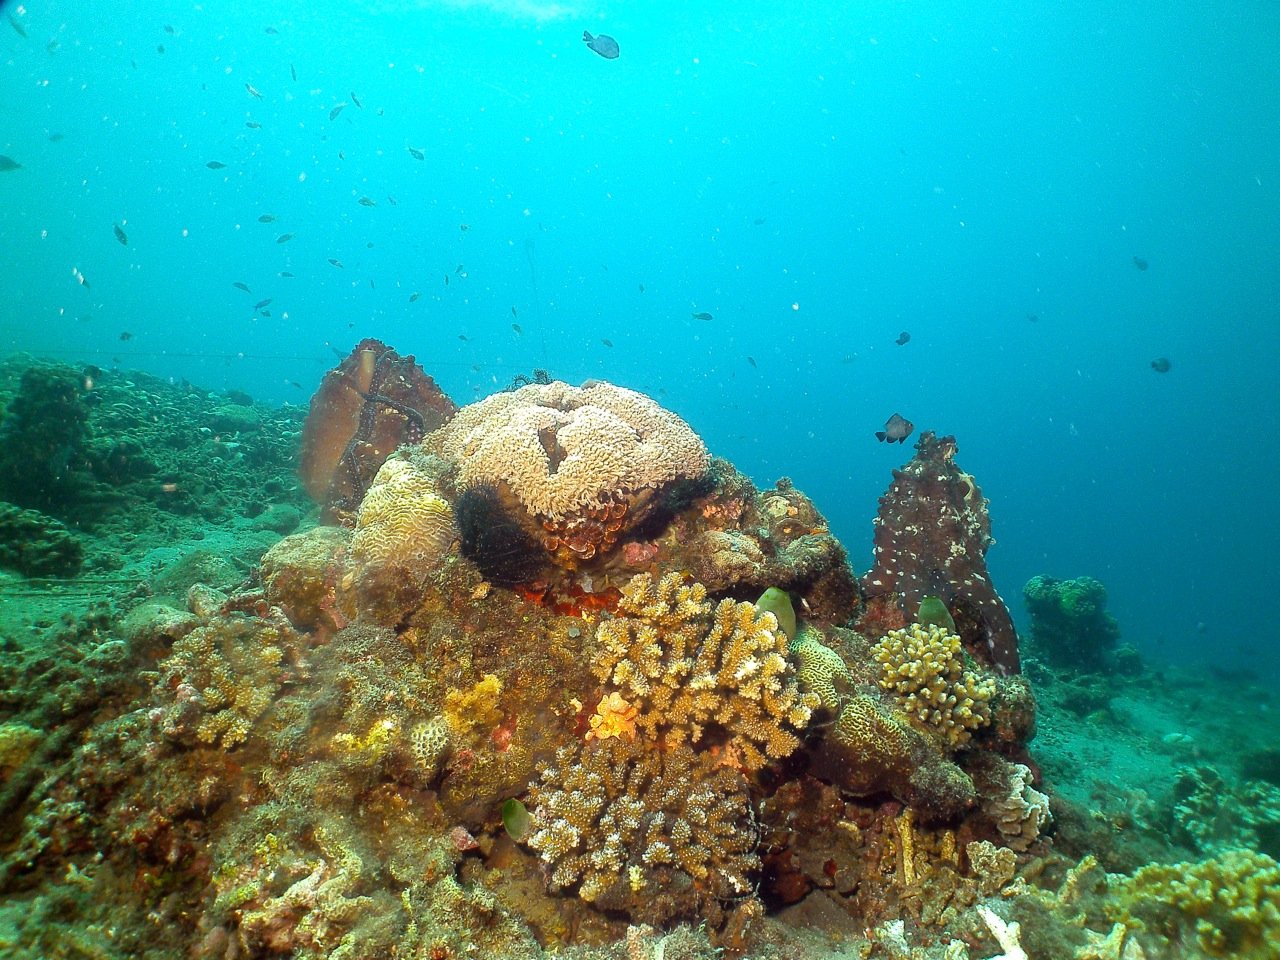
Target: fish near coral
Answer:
[[896, 429]]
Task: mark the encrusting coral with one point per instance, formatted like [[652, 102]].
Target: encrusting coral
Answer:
[[575, 466], [1006, 795], [925, 668], [687, 666]]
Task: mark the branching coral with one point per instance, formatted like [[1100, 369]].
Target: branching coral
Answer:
[[576, 466], [1230, 902], [626, 822], [688, 667], [925, 668]]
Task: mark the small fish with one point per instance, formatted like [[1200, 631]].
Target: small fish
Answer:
[[903, 339], [262, 303], [446, 279], [336, 263], [367, 202], [126, 335], [159, 48], [1034, 318], [513, 312], [295, 384], [758, 221], [752, 361], [21, 30], [464, 227], [293, 73], [371, 284], [702, 316], [463, 337], [416, 154], [253, 91], [1161, 365], [242, 286], [284, 238], [516, 328], [55, 137], [642, 288], [8, 163], [120, 235], [606, 46], [253, 125], [607, 343], [215, 165], [1140, 263], [80, 279], [271, 30], [414, 296], [267, 218], [356, 101], [895, 428], [265, 313], [458, 272], [168, 28], [52, 47], [284, 273], [391, 200], [333, 114]]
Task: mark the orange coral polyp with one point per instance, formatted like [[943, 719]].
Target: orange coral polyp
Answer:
[[614, 717]]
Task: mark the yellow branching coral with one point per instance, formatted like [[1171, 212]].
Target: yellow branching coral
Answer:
[[1231, 902], [619, 818], [687, 666], [562, 448], [924, 667]]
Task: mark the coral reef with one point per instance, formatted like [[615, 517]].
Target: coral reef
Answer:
[[37, 545], [575, 467], [1019, 811], [1212, 815], [1070, 625], [932, 532], [372, 402]]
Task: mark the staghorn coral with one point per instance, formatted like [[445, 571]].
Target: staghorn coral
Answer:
[[575, 466], [686, 667], [638, 829], [403, 530], [1229, 904], [925, 668]]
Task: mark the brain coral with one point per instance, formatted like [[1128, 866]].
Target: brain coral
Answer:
[[690, 668], [581, 463], [925, 667], [403, 529]]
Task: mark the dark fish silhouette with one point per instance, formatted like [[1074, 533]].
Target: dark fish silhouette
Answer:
[[253, 125], [516, 328], [702, 316], [751, 360], [416, 154], [253, 92], [1161, 365], [903, 338], [333, 114], [242, 286], [20, 29], [606, 46], [414, 296], [267, 218], [336, 263], [356, 101], [896, 428], [120, 235], [1140, 263], [607, 343], [215, 164], [293, 72], [126, 335], [284, 238], [284, 273], [262, 303], [367, 202]]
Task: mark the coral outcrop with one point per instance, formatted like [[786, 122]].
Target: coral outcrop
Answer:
[[1070, 625], [574, 467], [43, 439], [931, 538], [371, 403], [37, 545]]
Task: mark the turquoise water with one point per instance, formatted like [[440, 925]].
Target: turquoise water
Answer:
[[818, 178]]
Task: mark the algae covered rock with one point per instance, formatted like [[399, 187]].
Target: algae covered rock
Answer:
[[36, 545], [300, 573], [1070, 625]]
